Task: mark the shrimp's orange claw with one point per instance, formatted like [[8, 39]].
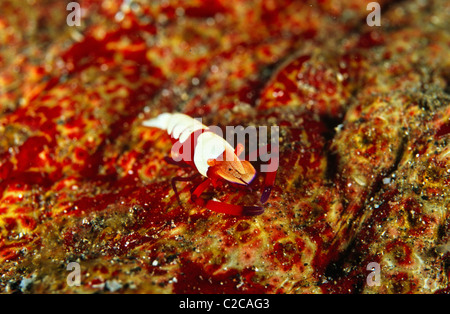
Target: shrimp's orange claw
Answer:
[[220, 207]]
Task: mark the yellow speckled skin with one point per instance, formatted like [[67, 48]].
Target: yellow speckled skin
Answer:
[[364, 146]]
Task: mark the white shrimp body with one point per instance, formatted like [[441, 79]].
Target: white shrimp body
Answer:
[[180, 127]]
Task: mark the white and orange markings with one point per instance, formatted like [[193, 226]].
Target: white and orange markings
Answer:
[[207, 151]]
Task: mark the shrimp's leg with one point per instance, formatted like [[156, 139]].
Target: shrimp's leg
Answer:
[[181, 164], [181, 179]]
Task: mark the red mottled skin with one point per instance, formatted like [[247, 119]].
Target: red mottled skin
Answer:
[[364, 156]]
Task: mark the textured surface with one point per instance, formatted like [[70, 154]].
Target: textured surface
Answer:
[[364, 116]]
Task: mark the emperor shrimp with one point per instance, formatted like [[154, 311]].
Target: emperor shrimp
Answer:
[[195, 145]]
